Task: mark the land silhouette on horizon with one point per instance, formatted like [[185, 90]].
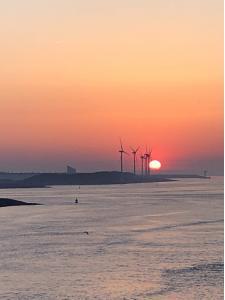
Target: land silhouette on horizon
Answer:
[[11, 202], [39, 180]]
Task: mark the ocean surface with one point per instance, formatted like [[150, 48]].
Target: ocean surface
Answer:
[[144, 241]]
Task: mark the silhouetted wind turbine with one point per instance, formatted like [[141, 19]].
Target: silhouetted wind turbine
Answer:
[[148, 154], [142, 164], [149, 160], [134, 152], [146, 162], [121, 156]]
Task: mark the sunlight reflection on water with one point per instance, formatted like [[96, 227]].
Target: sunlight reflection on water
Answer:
[[145, 241]]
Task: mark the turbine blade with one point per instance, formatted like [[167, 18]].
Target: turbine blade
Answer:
[[121, 144], [132, 149], [146, 150]]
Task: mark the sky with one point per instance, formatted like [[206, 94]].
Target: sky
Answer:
[[77, 75]]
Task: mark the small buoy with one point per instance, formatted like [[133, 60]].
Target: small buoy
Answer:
[[76, 201]]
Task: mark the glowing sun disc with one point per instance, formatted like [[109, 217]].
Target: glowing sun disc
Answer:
[[155, 165]]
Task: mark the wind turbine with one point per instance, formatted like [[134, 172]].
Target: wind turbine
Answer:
[[149, 160], [147, 154], [121, 156], [146, 162], [142, 164], [134, 152]]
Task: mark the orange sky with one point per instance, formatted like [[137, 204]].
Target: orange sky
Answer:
[[77, 75]]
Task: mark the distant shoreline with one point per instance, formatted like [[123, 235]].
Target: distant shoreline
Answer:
[[4, 202], [44, 180]]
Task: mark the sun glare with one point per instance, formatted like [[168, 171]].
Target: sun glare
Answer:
[[155, 165]]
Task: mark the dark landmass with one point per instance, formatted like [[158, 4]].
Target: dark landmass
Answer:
[[177, 176], [10, 202], [16, 175], [10, 184], [97, 178]]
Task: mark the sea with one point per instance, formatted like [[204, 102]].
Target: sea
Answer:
[[120, 242]]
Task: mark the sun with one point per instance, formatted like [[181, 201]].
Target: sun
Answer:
[[155, 165]]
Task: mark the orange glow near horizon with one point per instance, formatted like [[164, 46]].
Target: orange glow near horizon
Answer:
[[77, 77]]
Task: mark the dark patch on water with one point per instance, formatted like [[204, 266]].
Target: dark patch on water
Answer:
[[167, 227], [175, 280], [50, 233], [209, 274], [213, 267]]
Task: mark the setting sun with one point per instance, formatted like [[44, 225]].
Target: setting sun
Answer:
[[155, 165]]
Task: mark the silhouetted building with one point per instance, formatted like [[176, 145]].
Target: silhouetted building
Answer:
[[205, 173], [71, 170]]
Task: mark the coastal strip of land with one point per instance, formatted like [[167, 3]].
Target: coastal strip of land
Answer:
[[11, 202], [98, 178]]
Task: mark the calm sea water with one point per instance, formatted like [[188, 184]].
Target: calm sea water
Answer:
[[145, 241]]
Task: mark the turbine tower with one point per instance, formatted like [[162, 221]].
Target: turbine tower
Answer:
[[121, 156], [147, 155], [142, 164], [134, 152], [149, 160], [146, 162]]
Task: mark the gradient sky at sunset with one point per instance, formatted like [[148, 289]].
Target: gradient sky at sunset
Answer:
[[76, 75]]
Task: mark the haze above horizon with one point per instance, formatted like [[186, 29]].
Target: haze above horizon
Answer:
[[77, 75]]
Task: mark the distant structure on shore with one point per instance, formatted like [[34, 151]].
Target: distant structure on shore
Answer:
[[134, 152], [148, 156], [70, 170], [205, 173], [121, 151], [145, 160], [142, 157]]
